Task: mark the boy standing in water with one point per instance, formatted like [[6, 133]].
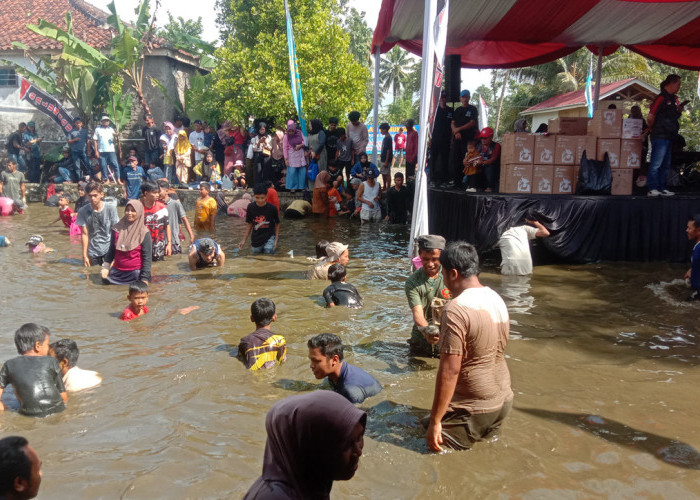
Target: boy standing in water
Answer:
[[262, 348], [263, 222], [138, 298], [35, 376], [157, 220], [693, 274], [65, 214], [205, 210], [96, 220], [176, 215]]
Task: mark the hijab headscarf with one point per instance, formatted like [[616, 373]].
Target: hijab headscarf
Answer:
[[131, 234], [322, 179], [183, 146], [520, 125], [316, 126], [223, 131], [305, 435], [170, 126], [294, 136]]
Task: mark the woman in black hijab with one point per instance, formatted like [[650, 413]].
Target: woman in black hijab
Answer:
[[312, 440]]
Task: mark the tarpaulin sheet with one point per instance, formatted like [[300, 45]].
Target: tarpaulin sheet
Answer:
[[583, 228]]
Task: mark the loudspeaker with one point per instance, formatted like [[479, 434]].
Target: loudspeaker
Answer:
[[453, 77]]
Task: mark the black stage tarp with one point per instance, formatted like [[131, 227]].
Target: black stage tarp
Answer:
[[583, 228]]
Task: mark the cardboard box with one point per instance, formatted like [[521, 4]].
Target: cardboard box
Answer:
[[565, 150], [517, 178], [632, 128], [544, 149], [587, 143], [563, 181], [567, 125], [630, 153], [612, 147], [542, 177], [518, 148], [622, 181], [606, 123]]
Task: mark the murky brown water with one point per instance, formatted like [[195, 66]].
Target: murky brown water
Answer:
[[604, 362]]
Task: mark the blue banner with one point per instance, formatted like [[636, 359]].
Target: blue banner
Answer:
[[294, 72]]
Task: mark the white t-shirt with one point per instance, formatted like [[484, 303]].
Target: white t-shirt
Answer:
[[105, 139], [77, 379], [515, 250], [197, 140]]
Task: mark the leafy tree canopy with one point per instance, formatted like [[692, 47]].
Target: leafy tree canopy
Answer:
[[252, 77]]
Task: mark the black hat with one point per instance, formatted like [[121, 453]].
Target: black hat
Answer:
[[430, 242]]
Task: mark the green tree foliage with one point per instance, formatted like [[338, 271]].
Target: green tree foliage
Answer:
[[360, 34], [400, 110], [186, 35], [252, 77], [394, 72]]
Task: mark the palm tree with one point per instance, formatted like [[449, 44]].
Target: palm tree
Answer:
[[395, 70]]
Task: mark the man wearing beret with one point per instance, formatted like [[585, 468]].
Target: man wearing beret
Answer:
[[421, 287]]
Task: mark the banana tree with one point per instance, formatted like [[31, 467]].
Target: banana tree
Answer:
[[118, 106], [132, 44]]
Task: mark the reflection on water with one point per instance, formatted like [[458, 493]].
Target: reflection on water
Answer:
[[179, 417]]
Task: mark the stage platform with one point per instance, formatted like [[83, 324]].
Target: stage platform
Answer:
[[583, 228]]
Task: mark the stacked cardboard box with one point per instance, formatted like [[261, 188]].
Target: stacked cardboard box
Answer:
[[548, 164]]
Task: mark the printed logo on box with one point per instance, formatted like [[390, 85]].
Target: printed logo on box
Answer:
[[544, 186], [525, 155], [565, 186], [524, 185], [567, 156], [633, 160], [614, 159], [609, 117], [546, 156]]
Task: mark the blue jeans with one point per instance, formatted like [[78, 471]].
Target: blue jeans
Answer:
[[152, 156], [82, 163], [659, 164], [21, 164], [110, 158], [268, 247], [64, 175]]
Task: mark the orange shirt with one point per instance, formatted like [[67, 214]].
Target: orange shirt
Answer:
[[331, 204]]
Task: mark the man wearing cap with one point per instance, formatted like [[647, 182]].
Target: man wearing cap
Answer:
[[338, 253], [134, 175], [490, 152], [197, 141], [104, 138], [357, 133], [421, 288], [465, 126]]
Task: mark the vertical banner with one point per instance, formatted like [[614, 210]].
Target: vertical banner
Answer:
[[46, 104], [483, 112], [294, 73], [589, 90], [434, 43]]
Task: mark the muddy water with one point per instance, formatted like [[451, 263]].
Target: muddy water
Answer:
[[604, 361]]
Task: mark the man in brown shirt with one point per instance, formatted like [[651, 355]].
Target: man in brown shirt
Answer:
[[472, 390]]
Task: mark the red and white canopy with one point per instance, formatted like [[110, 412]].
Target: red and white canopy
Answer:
[[517, 33]]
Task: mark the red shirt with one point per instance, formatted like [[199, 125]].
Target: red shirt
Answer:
[[67, 216], [128, 314], [412, 145], [273, 198], [399, 141]]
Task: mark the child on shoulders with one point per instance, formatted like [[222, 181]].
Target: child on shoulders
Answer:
[[35, 376], [339, 293], [75, 379], [138, 298], [262, 348]]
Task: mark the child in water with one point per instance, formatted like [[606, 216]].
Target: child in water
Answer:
[[75, 379], [262, 348], [340, 293], [35, 376], [65, 214], [138, 298], [36, 244]]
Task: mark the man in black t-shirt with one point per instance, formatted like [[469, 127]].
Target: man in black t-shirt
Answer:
[[332, 136], [151, 136], [263, 222], [398, 201], [440, 142], [465, 125]]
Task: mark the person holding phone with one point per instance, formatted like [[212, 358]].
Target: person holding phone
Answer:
[[663, 123]]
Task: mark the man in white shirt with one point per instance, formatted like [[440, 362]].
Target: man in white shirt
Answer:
[[515, 247], [104, 138], [197, 141], [75, 379]]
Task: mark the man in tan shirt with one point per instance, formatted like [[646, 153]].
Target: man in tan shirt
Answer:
[[472, 390]]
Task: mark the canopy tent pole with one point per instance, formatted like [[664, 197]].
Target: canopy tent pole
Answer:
[[598, 73], [419, 219], [377, 59]]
